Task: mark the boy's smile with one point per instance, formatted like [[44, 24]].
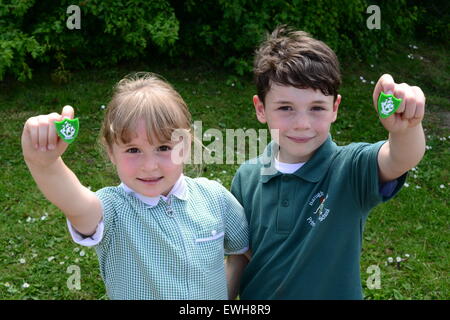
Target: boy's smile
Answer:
[[302, 118]]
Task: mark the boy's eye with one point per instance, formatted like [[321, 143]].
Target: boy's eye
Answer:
[[164, 148], [317, 108], [132, 150], [285, 108]]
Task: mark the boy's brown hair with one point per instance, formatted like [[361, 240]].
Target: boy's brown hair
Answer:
[[293, 58]]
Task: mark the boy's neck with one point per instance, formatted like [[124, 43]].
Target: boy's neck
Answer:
[[288, 159]]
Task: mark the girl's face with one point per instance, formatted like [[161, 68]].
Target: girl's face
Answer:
[[145, 168]]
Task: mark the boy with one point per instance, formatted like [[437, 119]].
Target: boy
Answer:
[[307, 215]]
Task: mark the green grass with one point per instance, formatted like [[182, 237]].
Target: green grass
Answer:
[[36, 248]]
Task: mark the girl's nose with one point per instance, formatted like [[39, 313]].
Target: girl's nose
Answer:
[[150, 163]]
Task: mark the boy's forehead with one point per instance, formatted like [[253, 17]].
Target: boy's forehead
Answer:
[[284, 94]]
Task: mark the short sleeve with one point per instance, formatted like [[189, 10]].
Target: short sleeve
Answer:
[[109, 199], [364, 176], [82, 240], [236, 226], [236, 187]]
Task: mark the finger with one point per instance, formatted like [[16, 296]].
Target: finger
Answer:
[[32, 127], [400, 93], [385, 84], [52, 135], [67, 113], [420, 104], [43, 132], [410, 105]]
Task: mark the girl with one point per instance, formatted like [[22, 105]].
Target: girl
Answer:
[[159, 234]]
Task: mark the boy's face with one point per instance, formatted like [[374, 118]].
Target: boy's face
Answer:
[[302, 118]]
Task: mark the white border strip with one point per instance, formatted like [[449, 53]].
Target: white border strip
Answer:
[[214, 237]]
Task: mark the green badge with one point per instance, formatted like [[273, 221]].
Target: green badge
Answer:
[[67, 129], [387, 105]]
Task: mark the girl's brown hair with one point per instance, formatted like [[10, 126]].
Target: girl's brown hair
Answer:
[[144, 96]]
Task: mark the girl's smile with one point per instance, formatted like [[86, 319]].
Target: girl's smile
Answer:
[[150, 181]]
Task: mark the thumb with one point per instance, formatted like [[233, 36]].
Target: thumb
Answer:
[[67, 113], [385, 84]]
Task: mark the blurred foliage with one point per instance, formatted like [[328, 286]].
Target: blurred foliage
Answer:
[[111, 31], [433, 21], [222, 32]]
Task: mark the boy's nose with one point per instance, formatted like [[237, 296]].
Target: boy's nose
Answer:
[[301, 121]]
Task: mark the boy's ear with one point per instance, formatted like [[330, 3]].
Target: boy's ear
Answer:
[[336, 107], [259, 108]]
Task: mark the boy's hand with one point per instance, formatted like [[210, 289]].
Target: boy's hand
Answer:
[[41, 145], [411, 110]]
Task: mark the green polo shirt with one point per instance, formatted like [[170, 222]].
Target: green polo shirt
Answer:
[[306, 228]]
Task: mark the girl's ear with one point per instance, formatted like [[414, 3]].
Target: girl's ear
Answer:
[[111, 155], [259, 108]]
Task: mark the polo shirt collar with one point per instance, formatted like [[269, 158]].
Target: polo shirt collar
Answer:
[[179, 190], [312, 170]]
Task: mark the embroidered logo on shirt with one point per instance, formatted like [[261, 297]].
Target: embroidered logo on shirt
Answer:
[[321, 213]]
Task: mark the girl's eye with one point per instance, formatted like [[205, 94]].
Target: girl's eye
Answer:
[[164, 148], [132, 150], [285, 108]]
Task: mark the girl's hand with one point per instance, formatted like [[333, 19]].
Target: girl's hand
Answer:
[[411, 110], [41, 145]]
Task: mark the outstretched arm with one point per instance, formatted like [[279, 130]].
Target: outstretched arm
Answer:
[[406, 145], [42, 150]]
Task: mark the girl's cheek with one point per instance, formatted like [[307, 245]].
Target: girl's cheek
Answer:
[[129, 163], [170, 160], [180, 155]]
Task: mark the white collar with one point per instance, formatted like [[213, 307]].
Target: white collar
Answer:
[[178, 190], [288, 168]]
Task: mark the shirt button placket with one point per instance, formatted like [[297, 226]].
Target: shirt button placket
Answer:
[[284, 223], [170, 212]]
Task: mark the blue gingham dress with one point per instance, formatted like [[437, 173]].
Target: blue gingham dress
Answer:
[[174, 250]]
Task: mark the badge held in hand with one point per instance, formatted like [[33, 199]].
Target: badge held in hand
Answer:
[[387, 105], [67, 129]]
